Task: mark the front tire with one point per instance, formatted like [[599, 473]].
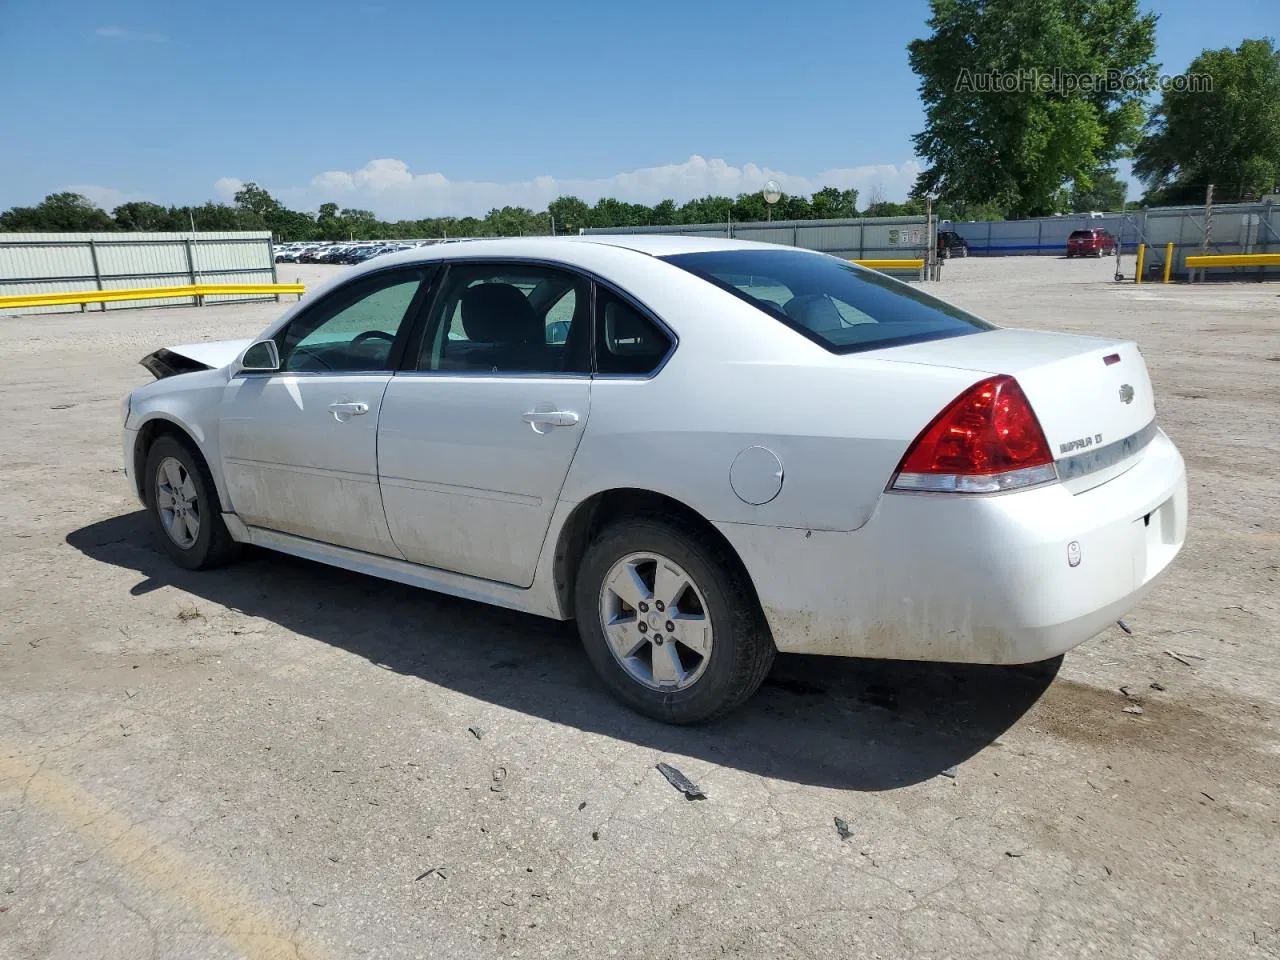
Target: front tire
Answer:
[[184, 508], [669, 621]]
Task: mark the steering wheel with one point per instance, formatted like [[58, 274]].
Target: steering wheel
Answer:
[[373, 335]]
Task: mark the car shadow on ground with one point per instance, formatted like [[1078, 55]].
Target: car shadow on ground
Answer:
[[851, 724]]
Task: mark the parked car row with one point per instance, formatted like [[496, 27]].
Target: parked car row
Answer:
[[339, 252]]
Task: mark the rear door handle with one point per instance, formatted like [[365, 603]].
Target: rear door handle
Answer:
[[551, 418], [341, 411]]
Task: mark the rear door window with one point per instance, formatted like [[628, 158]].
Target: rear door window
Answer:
[[842, 307]]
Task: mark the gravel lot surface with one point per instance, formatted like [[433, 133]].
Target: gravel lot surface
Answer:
[[274, 760]]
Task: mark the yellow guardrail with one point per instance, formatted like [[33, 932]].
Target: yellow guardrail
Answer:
[[891, 264], [1234, 260], [150, 293]]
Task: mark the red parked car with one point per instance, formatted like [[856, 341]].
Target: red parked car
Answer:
[[1090, 243]]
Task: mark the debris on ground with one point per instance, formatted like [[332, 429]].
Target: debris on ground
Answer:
[[334, 858], [582, 806], [441, 872], [476, 732], [842, 828], [1179, 657], [1156, 685], [950, 773], [595, 834], [499, 776], [682, 783], [1125, 627], [1015, 853], [190, 612], [1135, 710]]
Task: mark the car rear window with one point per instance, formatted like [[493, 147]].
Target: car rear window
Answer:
[[1080, 235], [842, 307]]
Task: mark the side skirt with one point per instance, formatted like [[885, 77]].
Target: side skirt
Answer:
[[386, 568]]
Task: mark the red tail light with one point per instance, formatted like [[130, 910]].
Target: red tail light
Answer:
[[988, 439]]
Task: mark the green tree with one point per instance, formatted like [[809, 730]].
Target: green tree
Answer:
[[793, 207], [830, 203], [58, 212], [705, 210], [1102, 191], [888, 208], [570, 214], [1228, 136], [141, 216], [750, 206], [664, 214], [216, 216], [253, 199], [1020, 147]]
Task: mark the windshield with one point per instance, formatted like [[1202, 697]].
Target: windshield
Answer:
[[1081, 235], [842, 307]]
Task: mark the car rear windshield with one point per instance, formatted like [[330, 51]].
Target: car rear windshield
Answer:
[[1080, 235], [842, 307]]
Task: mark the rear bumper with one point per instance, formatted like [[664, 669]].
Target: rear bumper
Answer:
[[973, 580]]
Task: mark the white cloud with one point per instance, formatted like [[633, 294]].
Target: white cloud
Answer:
[[389, 188], [227, 188], [108, 198], [113, 32]]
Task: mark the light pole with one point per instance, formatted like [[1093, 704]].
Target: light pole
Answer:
[[772, 194]]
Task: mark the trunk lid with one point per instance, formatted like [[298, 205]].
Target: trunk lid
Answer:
[[1092, 396]]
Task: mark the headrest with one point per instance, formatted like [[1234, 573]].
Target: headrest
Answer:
[[814, 311], [626, 333], [499, 313]]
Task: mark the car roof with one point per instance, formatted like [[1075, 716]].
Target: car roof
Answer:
[[651, 244]]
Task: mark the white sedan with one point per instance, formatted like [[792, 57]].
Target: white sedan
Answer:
[[704, 451]]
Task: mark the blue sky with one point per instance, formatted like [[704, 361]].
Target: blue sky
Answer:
[[418, 108]]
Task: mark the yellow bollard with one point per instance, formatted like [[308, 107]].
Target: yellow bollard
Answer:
[[1142, 252], [1168, 261]]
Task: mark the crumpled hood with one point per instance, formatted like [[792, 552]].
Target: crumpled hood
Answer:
[[190, 357]]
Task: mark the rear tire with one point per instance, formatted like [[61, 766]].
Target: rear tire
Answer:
[[183, 504], [722, 649]]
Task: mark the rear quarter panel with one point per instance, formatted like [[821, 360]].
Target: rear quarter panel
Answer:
[[740, 378]]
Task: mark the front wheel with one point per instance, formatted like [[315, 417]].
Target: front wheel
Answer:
[[184, 506], [669, 621]]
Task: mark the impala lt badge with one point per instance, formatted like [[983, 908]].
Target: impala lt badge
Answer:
[[1126, 393]]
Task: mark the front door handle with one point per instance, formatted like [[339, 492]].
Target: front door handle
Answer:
[[341, 411], [550, 418]]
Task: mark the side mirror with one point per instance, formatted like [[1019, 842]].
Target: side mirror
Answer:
[[262, 357]]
